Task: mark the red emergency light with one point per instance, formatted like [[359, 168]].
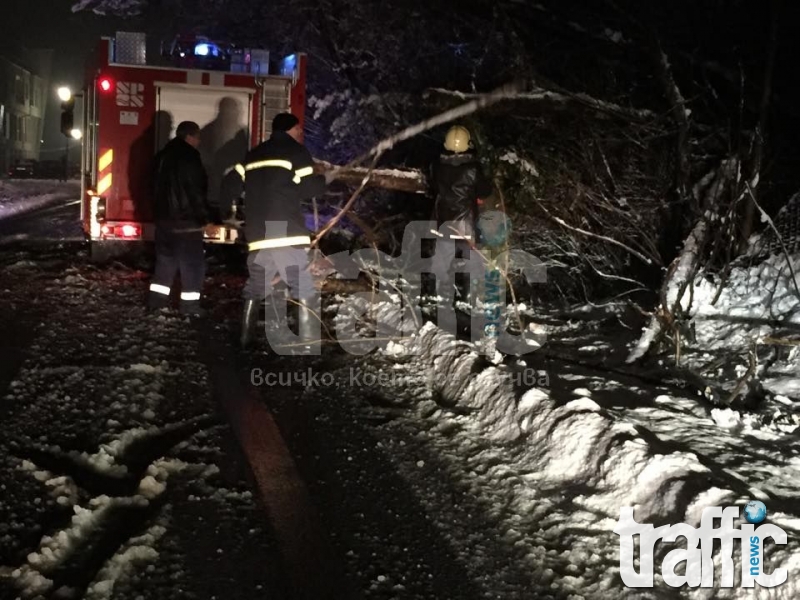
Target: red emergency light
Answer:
[[129, 231], [105, 84], [126, 231]]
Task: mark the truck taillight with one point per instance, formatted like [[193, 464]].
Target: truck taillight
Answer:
[[129, 231], [106, 84], [125, 231]]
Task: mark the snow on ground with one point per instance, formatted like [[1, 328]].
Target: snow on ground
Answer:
[[763, 291], [19, 196], [516, 482], [134, 553], [103, 392], [757, 309], [541, 472]]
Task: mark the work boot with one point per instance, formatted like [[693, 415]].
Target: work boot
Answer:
[[191, 308], [249, 322], [156, 301]]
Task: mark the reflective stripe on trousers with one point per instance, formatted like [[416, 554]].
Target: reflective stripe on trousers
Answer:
[[179, 252]]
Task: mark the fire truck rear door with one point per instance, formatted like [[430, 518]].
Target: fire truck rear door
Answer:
[[224, 116]]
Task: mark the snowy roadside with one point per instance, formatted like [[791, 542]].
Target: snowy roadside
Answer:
[[118, 480], [749, 338], [21, 196], [517, 473]]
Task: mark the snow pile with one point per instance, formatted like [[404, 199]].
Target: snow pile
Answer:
[[20, 196], [58, 549], [451, 376], [136, 552], [103, 461], [555, 473], [574, 442], [62, 489], [755, 303], [55, 550], [761, 292]]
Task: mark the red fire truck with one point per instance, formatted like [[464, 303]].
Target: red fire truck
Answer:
[[133, 102]]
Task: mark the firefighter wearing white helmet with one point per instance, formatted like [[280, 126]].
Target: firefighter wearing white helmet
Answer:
[[460, 187], [457, 139]]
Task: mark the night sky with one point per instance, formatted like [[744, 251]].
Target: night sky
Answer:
[[52, 24]]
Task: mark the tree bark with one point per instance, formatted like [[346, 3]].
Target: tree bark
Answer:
[[399, 180], [758, 149], [684, 268]]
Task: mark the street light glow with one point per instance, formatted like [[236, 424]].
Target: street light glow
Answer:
[[76, 134], [64, 94]]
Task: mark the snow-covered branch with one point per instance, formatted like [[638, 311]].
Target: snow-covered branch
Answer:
[[596, 236], [477, 102], [399, 180], [558, 99], [123, 8]]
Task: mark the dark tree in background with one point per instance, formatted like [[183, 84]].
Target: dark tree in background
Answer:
[[641, 124]]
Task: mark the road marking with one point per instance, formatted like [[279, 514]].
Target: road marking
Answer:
[[312, 570]]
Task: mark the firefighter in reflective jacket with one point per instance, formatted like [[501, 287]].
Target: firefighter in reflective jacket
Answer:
[[276, 177], [460, 186], [182, 211]]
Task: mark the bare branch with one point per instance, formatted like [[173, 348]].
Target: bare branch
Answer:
[[561, 222], [348, 205], [507, 91], [539, 94], [758, 141], [780, 239]]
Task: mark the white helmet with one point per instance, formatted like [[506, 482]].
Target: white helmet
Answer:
[[457, 139]]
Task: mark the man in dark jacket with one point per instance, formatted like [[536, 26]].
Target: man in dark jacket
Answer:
[[181, 213], [276, 177], [460, 187]]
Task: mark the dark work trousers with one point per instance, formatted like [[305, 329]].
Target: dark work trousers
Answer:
[[289, 263], [179, 250], [452, 243]]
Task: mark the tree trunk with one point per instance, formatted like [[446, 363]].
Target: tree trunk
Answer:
[[758, 150], [399, 180]]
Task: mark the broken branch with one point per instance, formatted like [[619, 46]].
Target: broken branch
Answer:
[[348, 205], [481, 101], [778, 235], [604, 238], [398, 180]]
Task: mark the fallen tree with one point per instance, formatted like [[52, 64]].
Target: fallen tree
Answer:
[[681, 274], [412, 181]]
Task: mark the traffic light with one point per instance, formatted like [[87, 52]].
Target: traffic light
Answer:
[[68, 116]]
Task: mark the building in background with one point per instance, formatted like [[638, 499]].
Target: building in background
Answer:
[[24, 88]]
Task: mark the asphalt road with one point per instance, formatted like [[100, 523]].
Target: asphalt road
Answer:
[[55, 223]]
